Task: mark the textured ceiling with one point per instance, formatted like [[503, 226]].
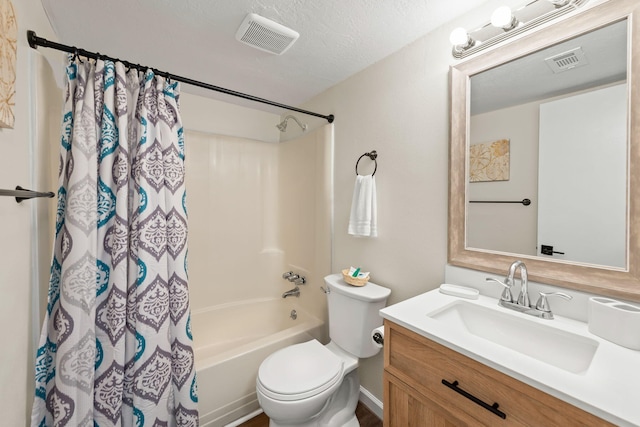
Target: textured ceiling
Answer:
[[196, 38]]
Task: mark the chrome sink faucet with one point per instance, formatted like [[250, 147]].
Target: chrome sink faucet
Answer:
[[523, 304], [523, 298], [506, 299]]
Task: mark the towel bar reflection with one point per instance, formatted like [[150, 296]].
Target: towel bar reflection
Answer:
[[373, 155], [525, 202], [23, 194]]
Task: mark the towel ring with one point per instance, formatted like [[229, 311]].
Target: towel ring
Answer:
[[373, 155]]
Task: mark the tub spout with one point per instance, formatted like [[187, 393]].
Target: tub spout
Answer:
[[295, 292]]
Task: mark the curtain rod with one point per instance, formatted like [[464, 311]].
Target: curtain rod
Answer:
[[35, 41], [23, 194]]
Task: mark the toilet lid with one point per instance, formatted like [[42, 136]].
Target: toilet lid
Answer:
[[299, 371]]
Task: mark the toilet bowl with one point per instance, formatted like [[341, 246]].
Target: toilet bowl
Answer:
[[310, 384], [298, 383]]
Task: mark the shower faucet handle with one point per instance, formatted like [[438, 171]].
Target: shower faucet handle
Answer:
[[287, 274], [294, 278]]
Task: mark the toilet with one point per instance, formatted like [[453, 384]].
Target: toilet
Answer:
[[311, 384]]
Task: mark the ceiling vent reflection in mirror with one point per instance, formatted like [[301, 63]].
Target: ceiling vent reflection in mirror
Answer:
[[506, 24], [265, 34], [565, 61]]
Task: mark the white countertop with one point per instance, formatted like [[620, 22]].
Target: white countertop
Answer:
[[610, 388]]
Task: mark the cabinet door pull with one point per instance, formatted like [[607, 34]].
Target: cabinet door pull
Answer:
[[492, 408]]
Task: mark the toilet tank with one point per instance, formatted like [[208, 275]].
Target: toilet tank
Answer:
[[354, 313]]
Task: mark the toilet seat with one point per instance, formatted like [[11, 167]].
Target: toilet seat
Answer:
[[299, 371]]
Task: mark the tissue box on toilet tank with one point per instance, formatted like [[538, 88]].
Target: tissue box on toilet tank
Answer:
[[615, 321]]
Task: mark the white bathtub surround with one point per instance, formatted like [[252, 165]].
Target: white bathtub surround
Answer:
[[258, 209], [230, 342], [232, 248]]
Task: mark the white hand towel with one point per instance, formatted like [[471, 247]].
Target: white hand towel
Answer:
[[363, 219]]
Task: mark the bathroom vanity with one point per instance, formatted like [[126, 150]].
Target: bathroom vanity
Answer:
[[416, 369], [440, 370]]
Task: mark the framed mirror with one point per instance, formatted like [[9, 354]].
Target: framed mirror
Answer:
[[552, 119]]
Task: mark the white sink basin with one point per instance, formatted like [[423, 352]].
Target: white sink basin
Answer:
[[559, 357], [562, 349]]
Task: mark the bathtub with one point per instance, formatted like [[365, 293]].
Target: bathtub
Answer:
[[230, 342]]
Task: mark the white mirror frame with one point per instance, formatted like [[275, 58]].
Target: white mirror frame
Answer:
[[614, 282]]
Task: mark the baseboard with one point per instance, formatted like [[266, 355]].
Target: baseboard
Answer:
[[247, 417], [371, 402]]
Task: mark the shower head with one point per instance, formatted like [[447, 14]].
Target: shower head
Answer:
[[282, 126]]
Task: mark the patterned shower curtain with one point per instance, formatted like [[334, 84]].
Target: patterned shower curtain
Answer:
[[115, 348]]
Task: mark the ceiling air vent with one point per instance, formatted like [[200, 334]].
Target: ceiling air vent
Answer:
[[568, 60], [266, 35]]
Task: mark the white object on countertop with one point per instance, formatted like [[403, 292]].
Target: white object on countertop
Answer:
[[615, 321], [459, 291], [363, 220]]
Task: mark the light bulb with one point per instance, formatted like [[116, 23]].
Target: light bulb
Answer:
[[459, 37], [503, 18]]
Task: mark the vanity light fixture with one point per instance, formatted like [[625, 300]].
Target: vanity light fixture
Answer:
[[504, 18], [505, 23], [461, 40], [559, 3]]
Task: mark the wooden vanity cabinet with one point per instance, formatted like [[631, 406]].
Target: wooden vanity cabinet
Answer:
[[415, 394]]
